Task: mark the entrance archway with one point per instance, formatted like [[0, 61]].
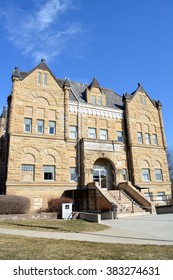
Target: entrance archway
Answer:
[[103, 173]]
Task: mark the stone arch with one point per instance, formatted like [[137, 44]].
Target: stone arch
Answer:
[[158, 162], [46, 96], [145, 164], [32, 152], [28, 158], [144, 116], [51, 154], [144, 159]]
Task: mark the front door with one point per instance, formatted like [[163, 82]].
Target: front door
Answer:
[[100, 176]]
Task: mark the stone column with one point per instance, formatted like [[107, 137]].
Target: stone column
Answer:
[[161, 124]]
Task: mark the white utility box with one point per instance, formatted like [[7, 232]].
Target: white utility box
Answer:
[[66, 211]]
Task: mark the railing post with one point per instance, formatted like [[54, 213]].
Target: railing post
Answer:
[[132, 208]]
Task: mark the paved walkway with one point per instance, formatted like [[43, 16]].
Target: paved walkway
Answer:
[[150, 229]]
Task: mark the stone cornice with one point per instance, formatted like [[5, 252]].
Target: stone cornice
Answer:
[[95, 111]]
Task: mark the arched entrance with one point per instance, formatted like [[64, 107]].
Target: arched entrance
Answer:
[[103, 173]]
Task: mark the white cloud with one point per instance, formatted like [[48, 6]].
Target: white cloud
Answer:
[[42, 32]]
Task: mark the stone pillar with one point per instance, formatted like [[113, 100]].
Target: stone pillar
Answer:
[[129, 140], [161, 124]]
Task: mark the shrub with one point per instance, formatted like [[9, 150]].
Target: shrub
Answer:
[[55, 204], [13, 204]]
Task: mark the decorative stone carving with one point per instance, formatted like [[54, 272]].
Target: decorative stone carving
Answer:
[[96, 112]]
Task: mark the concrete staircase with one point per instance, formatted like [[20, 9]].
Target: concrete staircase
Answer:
[[126, 205]]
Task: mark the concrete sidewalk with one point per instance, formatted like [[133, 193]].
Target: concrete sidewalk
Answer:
[[150, 229]]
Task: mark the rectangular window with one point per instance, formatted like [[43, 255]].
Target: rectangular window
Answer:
[[39, 78], [92, 133], [73, 132], [52, 127], [140, 141], [28, 171], [161, 196], [45, 79], [99, 101], [40, 126], [145, 174], [144, 100], [49, 172], [93, 99], [155, 142], [27, 125], [103, 134], [124, 174], [120, 136], [73, 174], [158, 175], [149, 195], [147, 138]]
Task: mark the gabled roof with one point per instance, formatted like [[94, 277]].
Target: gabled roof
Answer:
[[94, 84], [139, 89]]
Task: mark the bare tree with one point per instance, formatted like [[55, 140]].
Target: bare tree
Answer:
[[169, 154]]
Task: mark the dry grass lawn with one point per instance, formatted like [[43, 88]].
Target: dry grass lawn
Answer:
[[27, 248]]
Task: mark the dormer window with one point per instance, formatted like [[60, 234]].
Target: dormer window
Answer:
[[99, 101], [39, 78], [45, 79], [93, 99]]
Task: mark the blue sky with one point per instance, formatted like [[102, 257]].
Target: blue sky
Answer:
[[121, 42]]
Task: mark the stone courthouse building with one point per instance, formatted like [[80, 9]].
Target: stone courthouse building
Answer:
[[61, 135]]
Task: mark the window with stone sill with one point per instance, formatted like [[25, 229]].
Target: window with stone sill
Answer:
[[49, 173], [154, 137], [103, 134], [147, 139], [146, 174], [52, 127], [73, 132], [158, 175], [73, 174], [27, 125], [40, 126], [120, 136], [92, 133], [140, 140]]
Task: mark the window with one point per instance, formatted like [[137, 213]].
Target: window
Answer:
[[149, 195], [147, 138], [124, 174], [140, 141], [52, 127], [73, 132], [99, 101], [120, 136], [92, 133], [45, 79], [161, 196], [145, 174], [28, 171], [39, 78], [93, 99], [49, 172], [155, 142], [158, 175], [40, 126], [103, 134], [143, 100], [73, 174], [27, 125]]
